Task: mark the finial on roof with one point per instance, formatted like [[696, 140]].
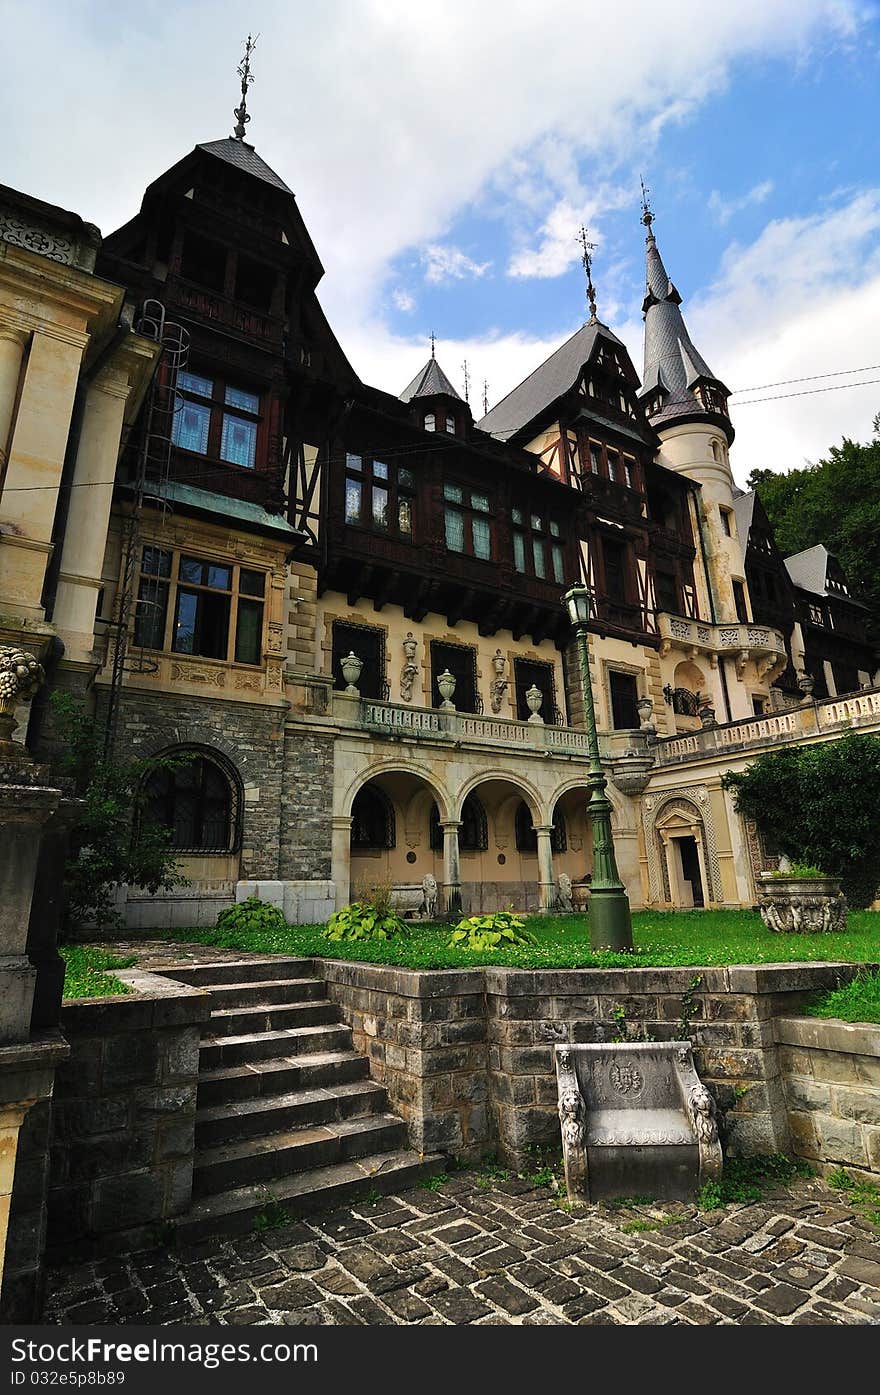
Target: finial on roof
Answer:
[[485, 396], [467, 381], [647, 213], [433, 342], [241, 114], [588, 248]]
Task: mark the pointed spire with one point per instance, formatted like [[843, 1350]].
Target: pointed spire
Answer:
[[587, 259], [677, 382], [241, 114]]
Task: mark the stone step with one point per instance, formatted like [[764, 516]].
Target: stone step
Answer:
[[265, 991], [240, 971], [236, 1049], [224, 1085], [270, 1017], [235, 1211], [277, 1155], [274, 1114]]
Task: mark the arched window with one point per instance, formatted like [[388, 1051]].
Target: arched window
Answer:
[[430, 421], [473, 836], [198, 801], [450, 426], [527, 838], [372, 820]]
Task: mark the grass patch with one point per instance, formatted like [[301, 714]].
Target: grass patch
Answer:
[[746, 1179], [85, 973], [273, 1216], [858, 1001], [864, 1197], [648, 1223], [433, 1184], [694, 938]]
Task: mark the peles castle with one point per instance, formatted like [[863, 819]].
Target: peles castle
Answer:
[[346, 605]]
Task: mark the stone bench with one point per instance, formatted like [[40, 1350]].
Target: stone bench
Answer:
[[636, 1121]]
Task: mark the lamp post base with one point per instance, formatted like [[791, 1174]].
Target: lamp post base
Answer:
[[610, 920]]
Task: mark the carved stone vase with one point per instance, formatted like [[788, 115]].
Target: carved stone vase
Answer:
[[534, 698], [446, 688], [351, 667]]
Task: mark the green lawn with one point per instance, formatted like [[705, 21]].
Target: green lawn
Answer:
[[698, 938], [85, 976], [858, 1001]]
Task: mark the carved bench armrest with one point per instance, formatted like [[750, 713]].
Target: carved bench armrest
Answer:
[[572, 1118], [699, 1106]]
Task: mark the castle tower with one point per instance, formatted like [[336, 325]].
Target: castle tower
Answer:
[[687, 406]]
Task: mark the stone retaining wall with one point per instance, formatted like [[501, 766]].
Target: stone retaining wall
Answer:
[[124, 1112], [467, 1055], [831, 1074]]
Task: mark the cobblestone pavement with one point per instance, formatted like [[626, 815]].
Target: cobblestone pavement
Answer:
[[487, 1251]]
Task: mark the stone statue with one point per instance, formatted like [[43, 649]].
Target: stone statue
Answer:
[[409, 672], [564, 900], [429, 896], [499, 682], [21, 677], [571, 1117]]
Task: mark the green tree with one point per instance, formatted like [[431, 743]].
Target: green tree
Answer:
[[835, 502], [114, 838], [819, 805]]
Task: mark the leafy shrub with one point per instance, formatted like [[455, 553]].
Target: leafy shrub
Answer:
[[251, 915], [818, 805], [800, 869], [498, 931], [363, 920]]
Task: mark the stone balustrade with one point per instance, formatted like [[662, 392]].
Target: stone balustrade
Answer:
[[395, 719], [759, 642], [810, 719]]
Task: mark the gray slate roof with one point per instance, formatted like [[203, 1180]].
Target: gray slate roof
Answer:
[[244, 157], [430, 381], [743, 512], [809, 569], [552, 379], [672, 361]]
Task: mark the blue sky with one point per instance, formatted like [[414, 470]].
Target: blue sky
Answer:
[[443, 170]]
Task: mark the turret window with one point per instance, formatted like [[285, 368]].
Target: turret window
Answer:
[[430, 421]]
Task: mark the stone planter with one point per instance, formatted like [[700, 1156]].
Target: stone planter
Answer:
[[804, 905]]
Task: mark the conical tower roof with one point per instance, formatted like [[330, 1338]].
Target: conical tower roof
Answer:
[[674, 367], [431, 381]]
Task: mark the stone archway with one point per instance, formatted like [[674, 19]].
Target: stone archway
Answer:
[[683, 864], [404, 797]]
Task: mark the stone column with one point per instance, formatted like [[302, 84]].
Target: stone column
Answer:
[[546, 879], [340, 865], [12, 342], [33, 471], [85, 538], [451, 867]]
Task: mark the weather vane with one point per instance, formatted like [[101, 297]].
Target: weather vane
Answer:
[[241, 114], [433, 341], [587, 249], [467, 381], [485, 396], [647, 215]]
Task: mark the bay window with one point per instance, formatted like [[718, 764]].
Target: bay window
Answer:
[[190, 605]]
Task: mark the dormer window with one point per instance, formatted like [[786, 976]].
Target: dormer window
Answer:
[[430, 421]]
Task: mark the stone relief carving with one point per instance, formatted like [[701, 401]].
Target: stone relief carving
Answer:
[[21, 677], [702, 1108], [196, 673], [36, 237], [410, 670]]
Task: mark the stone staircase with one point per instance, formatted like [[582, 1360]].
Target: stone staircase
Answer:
[[286, 1112]]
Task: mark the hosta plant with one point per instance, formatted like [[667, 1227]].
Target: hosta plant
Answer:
[[363, 920], [500, 930], [250, 915]]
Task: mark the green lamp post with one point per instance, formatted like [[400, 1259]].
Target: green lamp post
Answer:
[[610, 920]]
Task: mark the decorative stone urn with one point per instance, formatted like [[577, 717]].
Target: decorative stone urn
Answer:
[[798, 904], [21, 677], [534, 698], [645, 709], [446, 688], [351, 667], [707, 715], [806, 682], [632, 772]]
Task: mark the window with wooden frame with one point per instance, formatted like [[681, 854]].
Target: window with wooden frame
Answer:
[[217, 419], [378, 495], [739, 601], [368, 643], [466, 521], [191, 605], [537, 545], [532, 673], [610, 463], [461, 661], [624, 693]]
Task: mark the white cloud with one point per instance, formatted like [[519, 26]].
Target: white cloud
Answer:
[[402, 300], [558, 248], [450, 264], [724, 209]]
